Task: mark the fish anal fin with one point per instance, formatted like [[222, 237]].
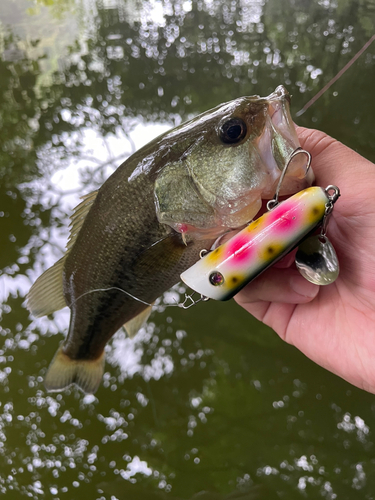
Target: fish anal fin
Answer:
[[64, 371], [46, 295], [133, 326]]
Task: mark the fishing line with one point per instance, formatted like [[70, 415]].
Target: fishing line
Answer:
[[335, 78], [182, 305], [108, 290]]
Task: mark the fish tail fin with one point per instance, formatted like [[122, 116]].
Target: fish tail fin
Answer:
[[64, 371]]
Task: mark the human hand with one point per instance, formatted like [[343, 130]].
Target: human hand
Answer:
[[333, 325]]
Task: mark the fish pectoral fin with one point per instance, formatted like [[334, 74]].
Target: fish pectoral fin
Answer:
[[46, 295], [161, 256], [133, 326], [64, 371]]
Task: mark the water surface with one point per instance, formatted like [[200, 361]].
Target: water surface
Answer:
[[205, 403]]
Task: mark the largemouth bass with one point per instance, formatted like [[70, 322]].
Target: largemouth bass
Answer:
[[131, 239]]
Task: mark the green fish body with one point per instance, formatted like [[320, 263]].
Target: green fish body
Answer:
[[131, 239]]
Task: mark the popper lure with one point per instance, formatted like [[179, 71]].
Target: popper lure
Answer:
[[221, 273]]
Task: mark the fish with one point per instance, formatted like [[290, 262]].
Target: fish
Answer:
[[132, 238]]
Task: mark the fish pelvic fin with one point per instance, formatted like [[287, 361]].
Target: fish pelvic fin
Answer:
[[64, 371], [133, 326], [46, 295]]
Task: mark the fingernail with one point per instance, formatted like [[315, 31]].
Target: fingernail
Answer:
[[303, 287]]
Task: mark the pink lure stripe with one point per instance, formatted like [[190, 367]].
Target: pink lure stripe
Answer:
[[286, 218], [240, 248]]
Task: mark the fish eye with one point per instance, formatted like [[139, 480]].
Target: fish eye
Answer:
[[233, 131]]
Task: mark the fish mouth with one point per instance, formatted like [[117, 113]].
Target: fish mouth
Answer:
[[278, 142]]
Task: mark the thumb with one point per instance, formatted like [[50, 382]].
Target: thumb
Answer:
[[315, 141]]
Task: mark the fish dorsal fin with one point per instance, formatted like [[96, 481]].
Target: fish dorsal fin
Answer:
[[79, 216], [133, 326], [46, 295]]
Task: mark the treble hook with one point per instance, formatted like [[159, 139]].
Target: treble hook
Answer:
[[272, 203]]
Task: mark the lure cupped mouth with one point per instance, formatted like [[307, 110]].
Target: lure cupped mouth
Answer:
[[278, 142]]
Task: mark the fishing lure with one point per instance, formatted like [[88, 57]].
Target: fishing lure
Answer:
[[221, 273]]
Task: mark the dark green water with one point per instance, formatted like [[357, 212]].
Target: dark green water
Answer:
[[205, 403]]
